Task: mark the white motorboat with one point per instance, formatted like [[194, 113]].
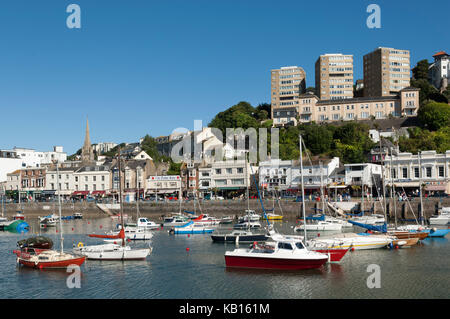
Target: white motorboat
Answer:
[[175, 220], [250, 215], [247, 225], [142, 223], [132, 233], [206, 220], [281, 253], [357, 241], [77, 216], [320, 226], [48, 222], [192, 228], [442, 219]]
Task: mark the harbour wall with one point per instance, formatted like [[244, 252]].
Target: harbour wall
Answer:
[[289, 209]]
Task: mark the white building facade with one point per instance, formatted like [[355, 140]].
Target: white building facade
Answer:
[[406, 171]]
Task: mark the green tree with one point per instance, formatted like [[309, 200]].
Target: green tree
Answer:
[[149, 145], [318, 138], [420, 71], [434, 115], [426, 89], [241, 115]]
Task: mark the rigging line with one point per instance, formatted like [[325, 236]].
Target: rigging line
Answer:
[[311, 165], [409, 204]]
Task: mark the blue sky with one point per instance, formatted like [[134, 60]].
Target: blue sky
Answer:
[[148, 67]]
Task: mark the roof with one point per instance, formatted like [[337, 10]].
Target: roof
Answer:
[[93, 168], [440, 53]]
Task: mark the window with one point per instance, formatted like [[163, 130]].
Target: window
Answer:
[[299, 245], [240, 170], [416, 172], [86, 178], [218, 171], [237, 181], [428, 171], [103, 178], [284, 246], [405, 172], [229, 171], [94, 178], [441, 171], [76, 178]]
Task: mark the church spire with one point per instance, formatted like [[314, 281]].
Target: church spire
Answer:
[[87, 138], [87, 152]]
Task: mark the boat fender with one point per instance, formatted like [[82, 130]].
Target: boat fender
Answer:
[[80, 244]]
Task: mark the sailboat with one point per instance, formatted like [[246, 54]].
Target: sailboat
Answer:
[[272, 215], [141, 229], [113, 251], [321, 225], [47, 258]]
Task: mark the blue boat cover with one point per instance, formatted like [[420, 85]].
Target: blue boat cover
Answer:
[[382, 228], [192, 213]]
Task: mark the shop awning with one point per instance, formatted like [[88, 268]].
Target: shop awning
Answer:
[[435, 188], [83, 193], [48, 192], [98, 193]]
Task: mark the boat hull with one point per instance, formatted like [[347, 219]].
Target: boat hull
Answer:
[[134, 254], [407, 234], [334, 255], [52, 264], [437, 232], [272, 263]]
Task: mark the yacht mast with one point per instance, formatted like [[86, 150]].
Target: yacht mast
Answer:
[[59, 208], [303, 189], [420, 186], [138, 195], [120, 196]]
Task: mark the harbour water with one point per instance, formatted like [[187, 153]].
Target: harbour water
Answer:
[[184, 267]]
